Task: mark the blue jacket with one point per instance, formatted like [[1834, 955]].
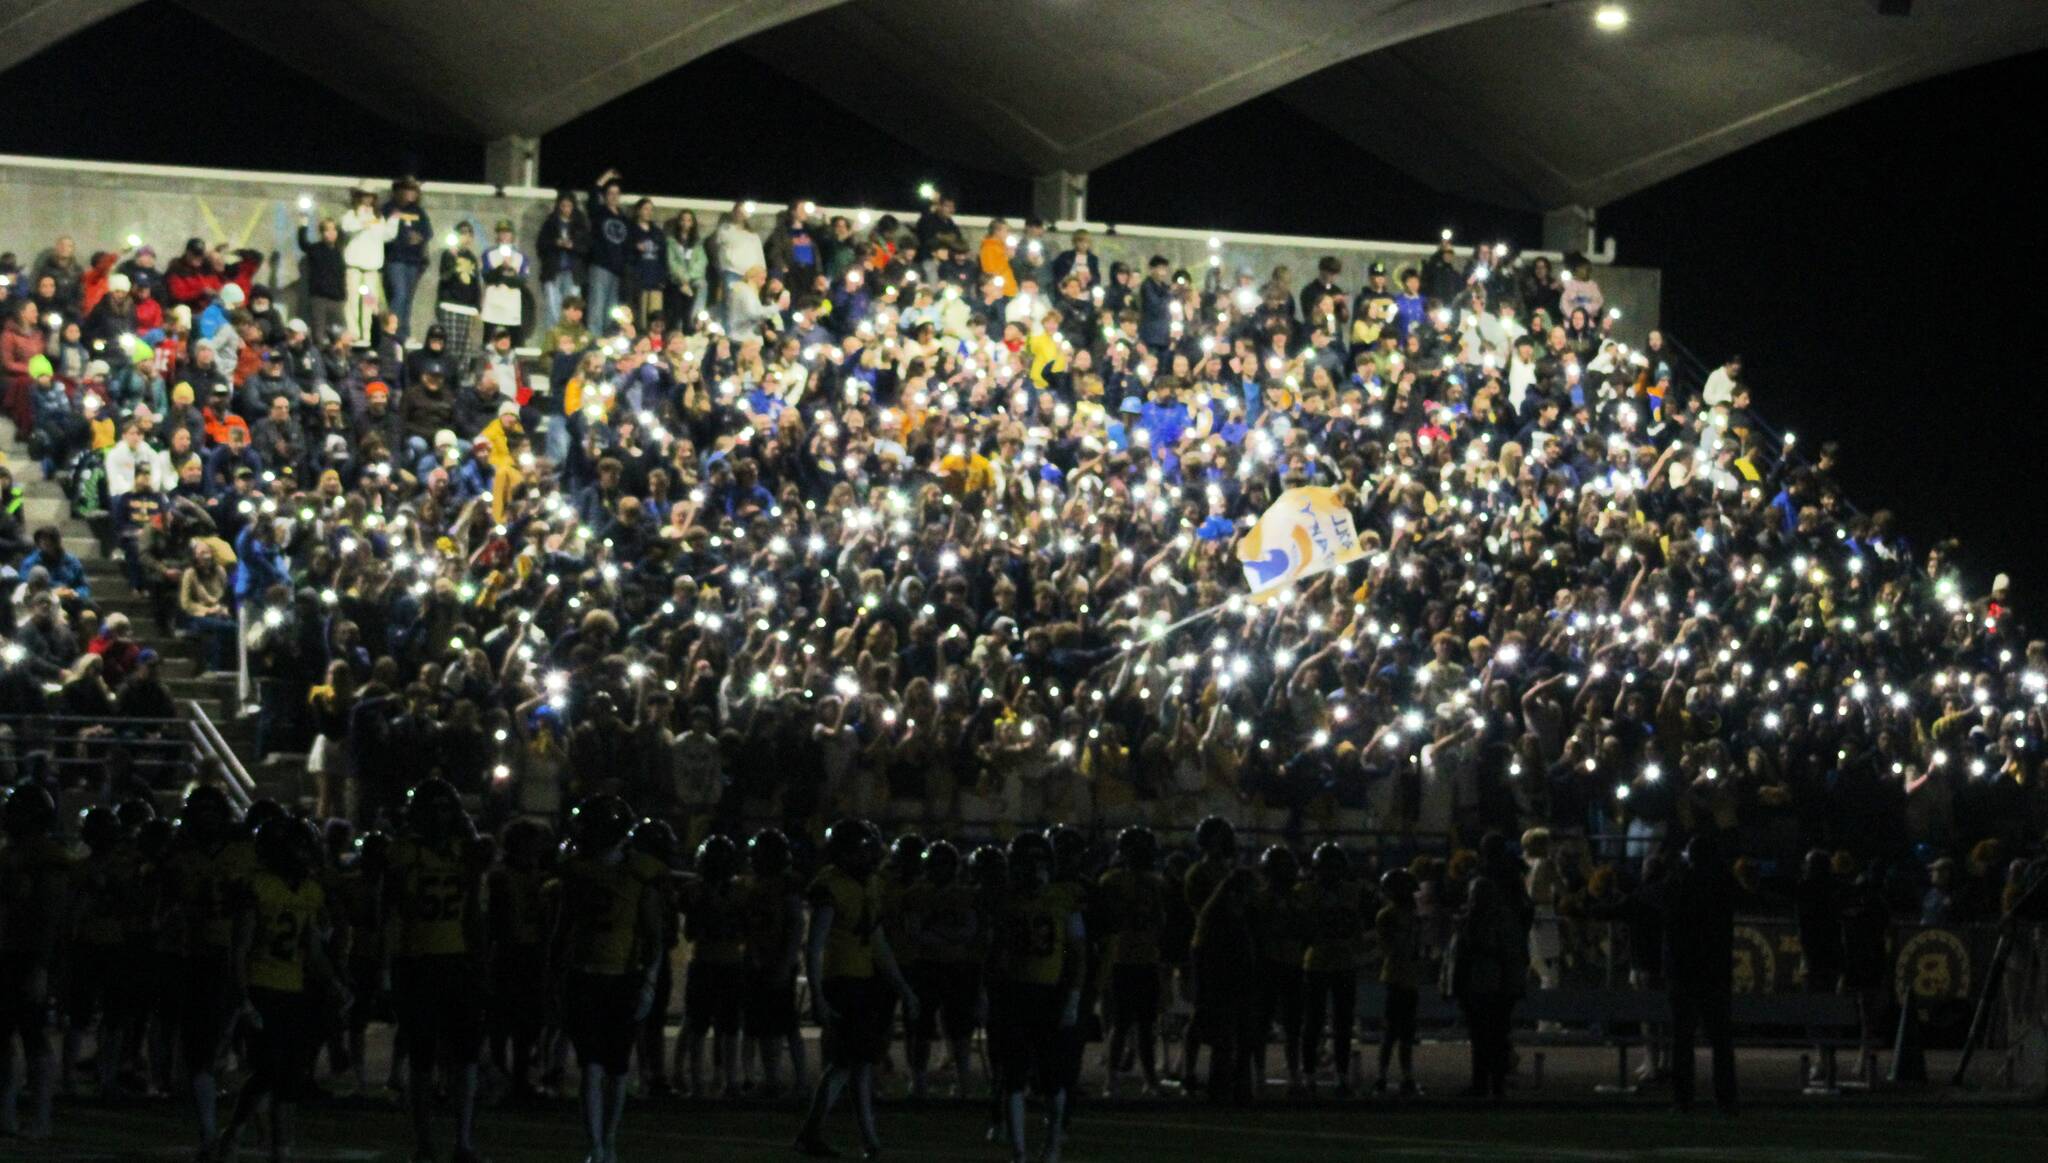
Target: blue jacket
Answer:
[[409, 246], [222, 464], [1165, 422], [257, 566], [473, 478], [608, 234], [1155, 313], [66, 571], [1408, 313], [211, 320]]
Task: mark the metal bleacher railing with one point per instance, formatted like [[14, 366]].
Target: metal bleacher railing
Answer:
[[1691, 373], [165, 755], [157, 750], [207, 741]]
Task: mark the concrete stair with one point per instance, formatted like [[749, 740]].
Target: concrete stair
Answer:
[[181, 661]]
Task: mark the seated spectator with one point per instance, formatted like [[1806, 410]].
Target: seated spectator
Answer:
[[66, 573], [203, 607]]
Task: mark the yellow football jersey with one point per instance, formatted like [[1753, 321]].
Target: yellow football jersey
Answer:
[[1279, 925], [1133, 910], [1336, 919], [1034, 937], [110, 885], [602, 901], [949, 926], [850, 944], [284, 916], [32, 909], [204, 885], [519, 903], [715, 922], [893, 895], [433, 892], [772, 911]]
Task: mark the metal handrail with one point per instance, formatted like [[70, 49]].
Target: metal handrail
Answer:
[[1696, 371], [89, 720], [60, 741], [241, 787]]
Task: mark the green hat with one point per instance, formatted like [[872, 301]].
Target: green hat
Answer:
[[39, 366]]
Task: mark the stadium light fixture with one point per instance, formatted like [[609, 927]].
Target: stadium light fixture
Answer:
[[1610, 18]]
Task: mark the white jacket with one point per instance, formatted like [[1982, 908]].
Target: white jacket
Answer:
[[121, 461], [739, 249], [364, 235]]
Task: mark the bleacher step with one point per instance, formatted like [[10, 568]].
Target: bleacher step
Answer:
[[44, 503]]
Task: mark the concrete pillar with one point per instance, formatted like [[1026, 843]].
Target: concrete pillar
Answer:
[[512, 161], [1060, 196], [1567, 229]]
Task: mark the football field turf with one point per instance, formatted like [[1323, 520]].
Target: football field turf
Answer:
[[1846, 1131]]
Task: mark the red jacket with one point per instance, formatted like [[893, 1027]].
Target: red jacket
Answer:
[[217, 425], [18, 345], [92, 285], [194, 283]]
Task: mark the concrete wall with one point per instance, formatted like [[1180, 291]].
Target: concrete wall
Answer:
[[101, 204]]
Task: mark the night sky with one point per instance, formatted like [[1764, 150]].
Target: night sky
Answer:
[[1879, 269]]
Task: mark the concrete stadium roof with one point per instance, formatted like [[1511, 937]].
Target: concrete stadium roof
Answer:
[[1520, 102]]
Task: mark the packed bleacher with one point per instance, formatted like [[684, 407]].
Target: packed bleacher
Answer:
[[781, 519], [817, 521]]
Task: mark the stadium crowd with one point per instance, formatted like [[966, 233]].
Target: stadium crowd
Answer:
[[849, 520]]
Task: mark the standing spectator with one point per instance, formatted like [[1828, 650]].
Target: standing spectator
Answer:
[[365, 234], [1079, 256], [459, 294], [791, 251], [1641, 913], [1580, 292], [21, 342], [738, 250], [1540, 289], [646, 263], [1155, 299], [60, 263], [1722, 382], [1546, 888], [1487, 967], [936, 222], [564, 243], [1699, 959], [405, 252], [839, 248], [323, 272], [747, 311], [609, 230], [1866, 959], [1443, 277], [1324, 285], [687, 264], [505, 270], [260, 563], [995, 256]]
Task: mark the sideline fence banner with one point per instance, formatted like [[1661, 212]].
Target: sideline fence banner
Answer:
[[1939, 967]]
